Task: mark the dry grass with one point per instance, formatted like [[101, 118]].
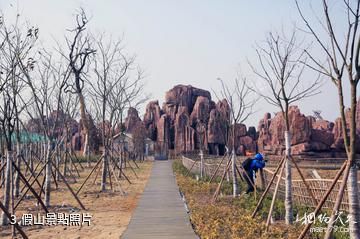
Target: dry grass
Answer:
[[111, 212], [228, 217]]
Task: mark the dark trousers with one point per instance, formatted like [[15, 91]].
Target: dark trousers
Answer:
[[249, 180]]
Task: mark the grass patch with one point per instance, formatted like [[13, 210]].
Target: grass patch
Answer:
[[231, 218]]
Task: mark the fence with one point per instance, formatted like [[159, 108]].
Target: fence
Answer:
[[299, 192]]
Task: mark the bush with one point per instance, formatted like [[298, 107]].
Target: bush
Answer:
[[231, 218]]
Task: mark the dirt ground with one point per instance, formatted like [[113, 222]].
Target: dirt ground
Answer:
[[110, 211]]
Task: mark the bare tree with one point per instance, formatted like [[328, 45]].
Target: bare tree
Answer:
[[241, 103], [41, 91], [201, 132], [68, 107], [15, 42], [341, 49], [117, 85], [80, 51], [281, 70]]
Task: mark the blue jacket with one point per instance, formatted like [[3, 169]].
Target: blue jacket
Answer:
[[255, 165]]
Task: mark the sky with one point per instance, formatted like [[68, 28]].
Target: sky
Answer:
[[183, 42]]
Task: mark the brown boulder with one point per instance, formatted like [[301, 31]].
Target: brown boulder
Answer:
[[305, 138], [132, 120], [151, 117], [160, 135], [338, 133], [309, 147], [240, 130], [58, 121], [242, 140], [264, 139], [162, 127], [322, 136], [248, 144], [300, 127], [252, 132], [182, 95], [200, 111], [319, 146], [224, 109], [300, 148], [171, 110], [216, 128], [194, 102], [181, 125], [323, 125]]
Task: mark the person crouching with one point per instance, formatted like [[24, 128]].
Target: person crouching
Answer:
[[251, 166]]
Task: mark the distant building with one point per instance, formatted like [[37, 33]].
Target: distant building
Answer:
[[125, 141]]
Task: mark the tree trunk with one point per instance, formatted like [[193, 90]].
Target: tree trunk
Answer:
[[201, 163], [233, 162], [57, 162], [3, 161], [262, 179], [104, 171], [18, 164], [86, 150], [85, 122], [48, 175], [288, 193], [30, 154], [65, 163], [338, 200], [233, 171], [354, 207], [350, 175], [353, 203], [7, 188]]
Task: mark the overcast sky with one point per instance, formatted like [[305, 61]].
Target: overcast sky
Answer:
[[182, 42]]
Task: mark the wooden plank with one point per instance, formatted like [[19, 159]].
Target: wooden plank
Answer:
[[161, 212]]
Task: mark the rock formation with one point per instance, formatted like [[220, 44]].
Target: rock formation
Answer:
[[181, 128], [132, 120], [61, 124], [217, 131], [190, 120], [185, 108], [182, 95], [337, 129], [308, 134], [151, 118], [173, 126], [201, 110], [244, 143]]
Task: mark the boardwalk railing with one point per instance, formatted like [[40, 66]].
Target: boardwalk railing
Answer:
[[300, 194]]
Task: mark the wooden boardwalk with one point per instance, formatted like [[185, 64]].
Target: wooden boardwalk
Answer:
[[161, 212]]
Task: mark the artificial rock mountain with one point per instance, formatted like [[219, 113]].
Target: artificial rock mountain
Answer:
[[190, 120], [177, 125]]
